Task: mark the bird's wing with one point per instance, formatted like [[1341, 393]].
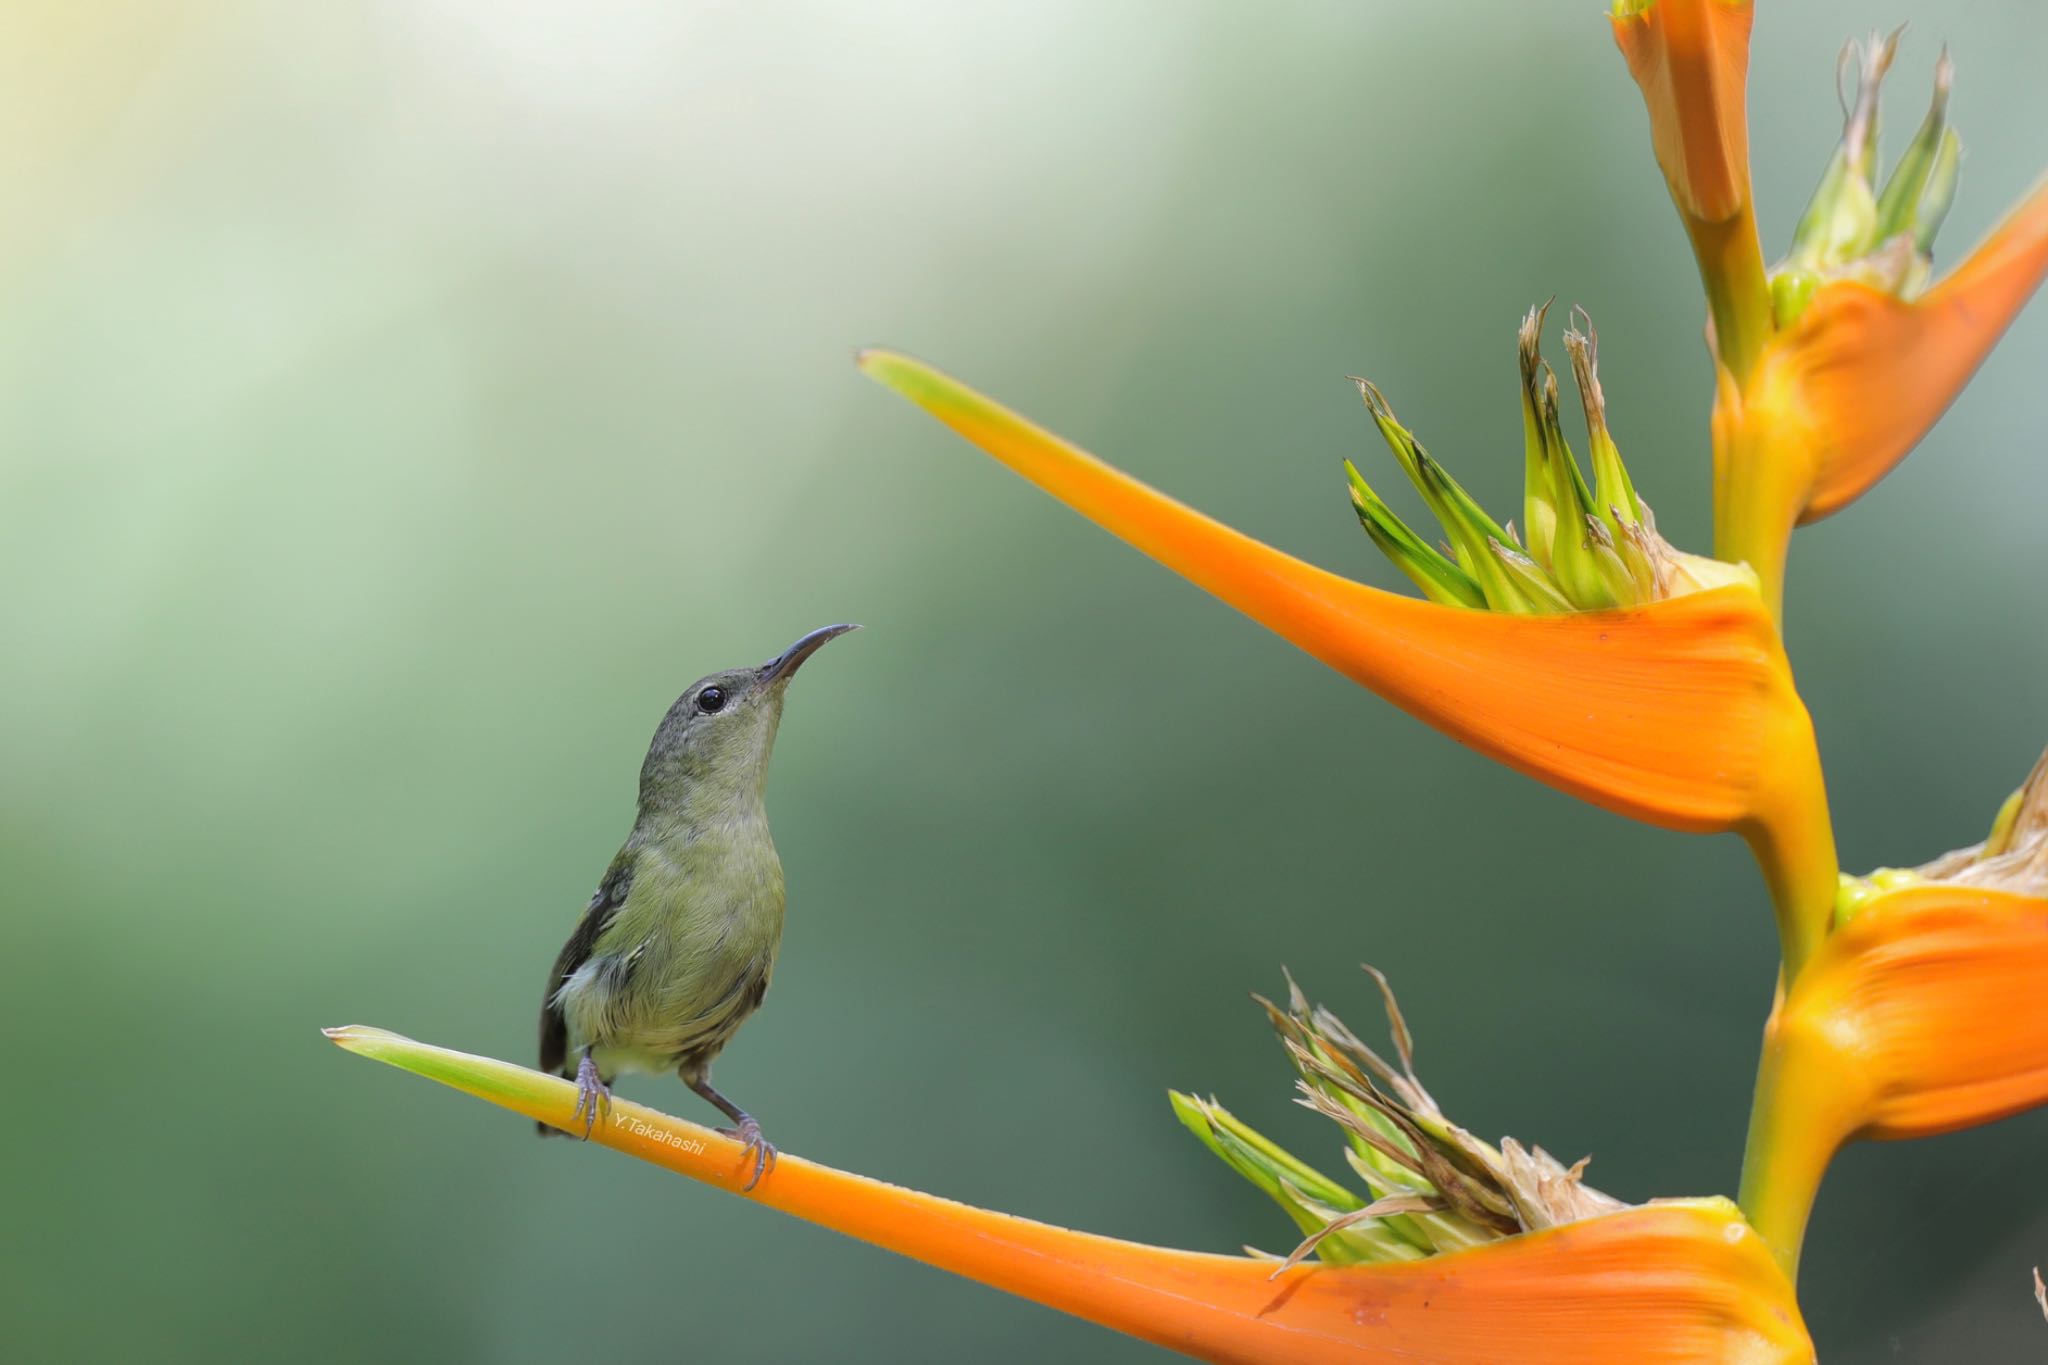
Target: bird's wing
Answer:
[[554, 1029]]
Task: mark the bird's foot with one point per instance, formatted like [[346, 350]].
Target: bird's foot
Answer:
[[753, 1144], [592, 1096]]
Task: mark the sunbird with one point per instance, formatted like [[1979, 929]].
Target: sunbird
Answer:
[[676, 948]]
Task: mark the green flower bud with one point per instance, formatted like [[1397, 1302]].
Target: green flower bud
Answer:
[[1588, 548], [1940, 193], [1849, 229], [1432, 1186], [1614, 496], [1440, 579], [1526, 577], [1792, 288], [1574, 561], [1898, 208], [1539, 505], [1310, 1198], [1840, 221]]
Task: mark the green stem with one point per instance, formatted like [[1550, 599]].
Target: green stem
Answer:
[[1798, 1119], [1753, 526], [1731, 262]]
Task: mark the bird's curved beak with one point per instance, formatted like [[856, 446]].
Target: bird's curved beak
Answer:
[[783, 665]]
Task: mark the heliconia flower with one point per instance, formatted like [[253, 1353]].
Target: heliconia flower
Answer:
[[1921, 1014], [1672, 1283], [1691, 59], [1680, 712], [1588, 547], [1841, 396], [1855, 356], [1433, 1187]]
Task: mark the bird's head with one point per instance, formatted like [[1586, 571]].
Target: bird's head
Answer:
[[715, 741]]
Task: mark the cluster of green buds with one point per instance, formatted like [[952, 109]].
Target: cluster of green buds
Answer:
[[1431, 1186], [1588, 547], [1853, 230], [2013, 857]]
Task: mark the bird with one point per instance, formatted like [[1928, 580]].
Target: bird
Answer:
[[676, 948]]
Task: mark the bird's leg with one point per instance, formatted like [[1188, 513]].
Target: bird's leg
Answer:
[[592, 1094], [744, 1128]]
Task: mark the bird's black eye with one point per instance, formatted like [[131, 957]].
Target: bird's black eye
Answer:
[[711, 699]]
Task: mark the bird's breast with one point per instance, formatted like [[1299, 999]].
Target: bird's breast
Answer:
[[695, 942]]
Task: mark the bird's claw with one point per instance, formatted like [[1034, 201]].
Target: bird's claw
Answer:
[[592, 1095], [753, 1144]]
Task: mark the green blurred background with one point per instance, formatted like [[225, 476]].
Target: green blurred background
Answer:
[[403, 401]]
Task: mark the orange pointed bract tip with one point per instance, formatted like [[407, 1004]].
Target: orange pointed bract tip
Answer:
[[1920, 1016], [1691, 58], [1684, 1281], [1681, 713], [1874, 372]]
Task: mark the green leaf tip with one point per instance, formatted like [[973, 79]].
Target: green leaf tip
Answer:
[[893, 368], [549, 1099], [362, 1038]]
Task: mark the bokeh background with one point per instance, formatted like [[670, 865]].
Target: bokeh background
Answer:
[[400, 402]]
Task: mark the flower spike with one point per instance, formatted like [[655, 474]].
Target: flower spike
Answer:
[[1671, 1283], [1680, 712]]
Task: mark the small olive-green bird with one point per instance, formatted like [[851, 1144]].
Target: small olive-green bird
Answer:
[[676, 948]]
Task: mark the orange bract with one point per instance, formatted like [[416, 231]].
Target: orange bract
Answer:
[[1930, 1001], [1875, 372], [1920, 1016], [1677, 1282], [1681, 713]]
